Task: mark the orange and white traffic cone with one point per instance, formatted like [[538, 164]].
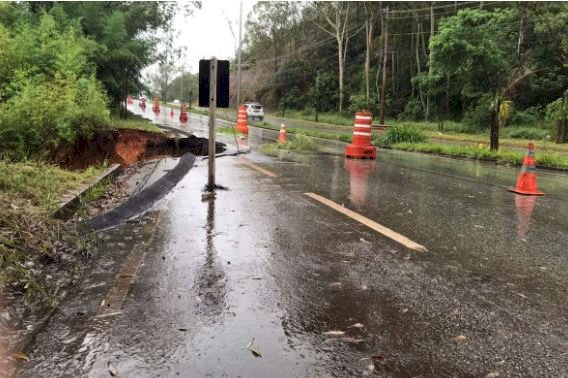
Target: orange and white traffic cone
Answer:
[[526, 183], [242, 126], [183, 113], [172, 113], [282, 137], [361, 147]]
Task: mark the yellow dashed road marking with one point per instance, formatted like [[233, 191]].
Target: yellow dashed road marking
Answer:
[[257, 168]]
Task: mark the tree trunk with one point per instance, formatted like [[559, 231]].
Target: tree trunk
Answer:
[[430, 69], [369, 41], [385, 58], [494, 137], [448, 96], [418, 64], [340, 57]]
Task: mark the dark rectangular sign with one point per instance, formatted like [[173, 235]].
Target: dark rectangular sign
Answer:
[[222, 83]]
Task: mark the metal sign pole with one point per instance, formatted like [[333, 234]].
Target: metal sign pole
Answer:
[[212, 108]]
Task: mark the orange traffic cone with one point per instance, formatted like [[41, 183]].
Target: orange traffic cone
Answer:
[[242, 126], [526, 184], [183, 113], [282, 137], [361, 147], [172, 113], [156, 107]]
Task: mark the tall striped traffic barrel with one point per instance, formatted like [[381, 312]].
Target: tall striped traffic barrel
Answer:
[[242, 125], [361, 147]]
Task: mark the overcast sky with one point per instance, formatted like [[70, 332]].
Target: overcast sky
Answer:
[[207, 33]]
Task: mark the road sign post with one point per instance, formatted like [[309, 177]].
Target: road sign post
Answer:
[[212, 108], [213, 93]]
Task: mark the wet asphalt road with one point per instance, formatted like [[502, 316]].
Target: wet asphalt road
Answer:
[[264, 261]]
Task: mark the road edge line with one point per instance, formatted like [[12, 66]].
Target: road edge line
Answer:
[[385, 231]]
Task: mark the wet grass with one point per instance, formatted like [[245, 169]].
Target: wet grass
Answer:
[[301, 143], [39, 184], [29, 237], [135, 122], [544, 158], [228, 130]]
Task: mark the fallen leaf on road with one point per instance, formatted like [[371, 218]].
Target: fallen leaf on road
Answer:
[[21, 356], [255, 352], [356, 325], [335, 284], [455, 311], [460, 338], [334, 333], [112, 370]]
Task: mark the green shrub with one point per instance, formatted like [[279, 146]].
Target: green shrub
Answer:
[[43, 115], [479, 115], [528, 117], [526, 133], [358, 103], [400, 134], [412, 111]]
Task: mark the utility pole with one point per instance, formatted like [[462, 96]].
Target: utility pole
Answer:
[[239, 56], [384, 86], [212, 109]]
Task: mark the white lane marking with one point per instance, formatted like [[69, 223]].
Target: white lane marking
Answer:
[[370, 223]]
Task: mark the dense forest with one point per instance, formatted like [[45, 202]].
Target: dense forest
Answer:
[[487, 64], [66, 66]]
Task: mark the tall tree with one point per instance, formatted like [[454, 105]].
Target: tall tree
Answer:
[[335, 20]]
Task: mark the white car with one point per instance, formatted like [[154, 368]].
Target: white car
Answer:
[[254, 110], [176, 102]]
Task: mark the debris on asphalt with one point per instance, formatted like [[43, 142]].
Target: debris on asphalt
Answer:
[[21, 356], [334, 333], [253, 349], [112, 370], [460, 338], [335, 284], [356, 325]]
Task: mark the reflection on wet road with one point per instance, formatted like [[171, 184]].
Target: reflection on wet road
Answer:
[[324, 295]]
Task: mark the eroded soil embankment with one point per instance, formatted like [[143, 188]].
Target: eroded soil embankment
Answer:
[[125, 146]]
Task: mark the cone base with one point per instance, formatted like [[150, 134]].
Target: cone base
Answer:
[[525, 193], [360, 152], [242, 129]]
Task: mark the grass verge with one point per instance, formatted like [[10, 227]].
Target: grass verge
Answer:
[[301, 143], [29, 238], [135, 122], [545, 158], [228, 130]]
